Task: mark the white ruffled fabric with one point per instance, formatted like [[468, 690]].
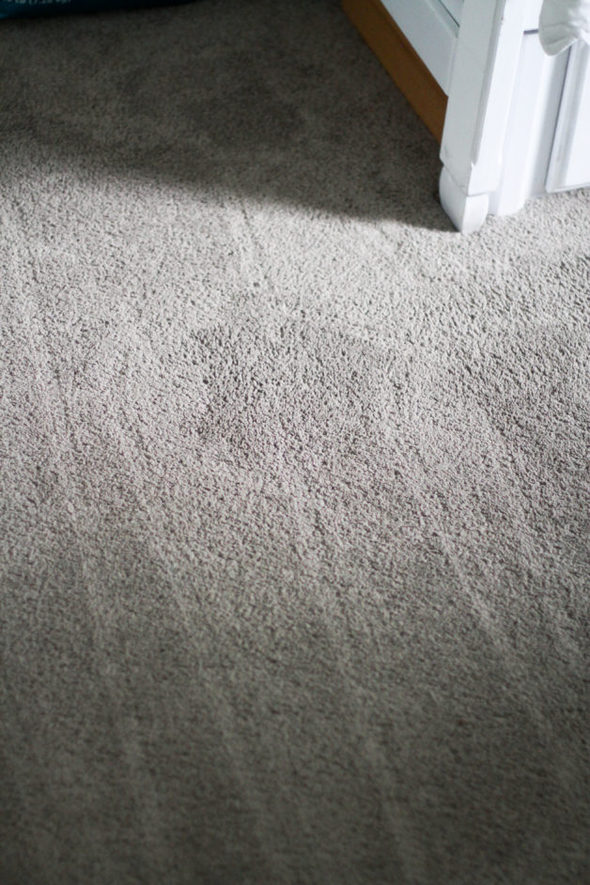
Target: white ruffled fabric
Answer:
[[562, 22]]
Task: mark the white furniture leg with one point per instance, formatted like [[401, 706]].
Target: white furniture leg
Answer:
[[467, 213], [484, 73]]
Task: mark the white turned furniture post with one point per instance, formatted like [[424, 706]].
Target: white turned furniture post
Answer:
[[482, 83], [518, 120]]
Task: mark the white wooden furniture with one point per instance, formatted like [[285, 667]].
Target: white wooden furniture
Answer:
[[517, 121]]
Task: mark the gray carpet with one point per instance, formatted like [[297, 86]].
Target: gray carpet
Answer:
[[295, 531]]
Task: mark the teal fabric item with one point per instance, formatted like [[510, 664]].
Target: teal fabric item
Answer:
[[20, 8]]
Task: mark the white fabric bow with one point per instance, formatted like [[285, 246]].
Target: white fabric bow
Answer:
[[562, 22]]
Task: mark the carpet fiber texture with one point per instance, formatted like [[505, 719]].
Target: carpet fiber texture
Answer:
[[295, 529]]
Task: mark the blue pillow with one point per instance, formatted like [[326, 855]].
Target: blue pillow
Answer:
[[19, 8]]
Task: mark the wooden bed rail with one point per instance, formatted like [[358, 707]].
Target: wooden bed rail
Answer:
[[397, 56]]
